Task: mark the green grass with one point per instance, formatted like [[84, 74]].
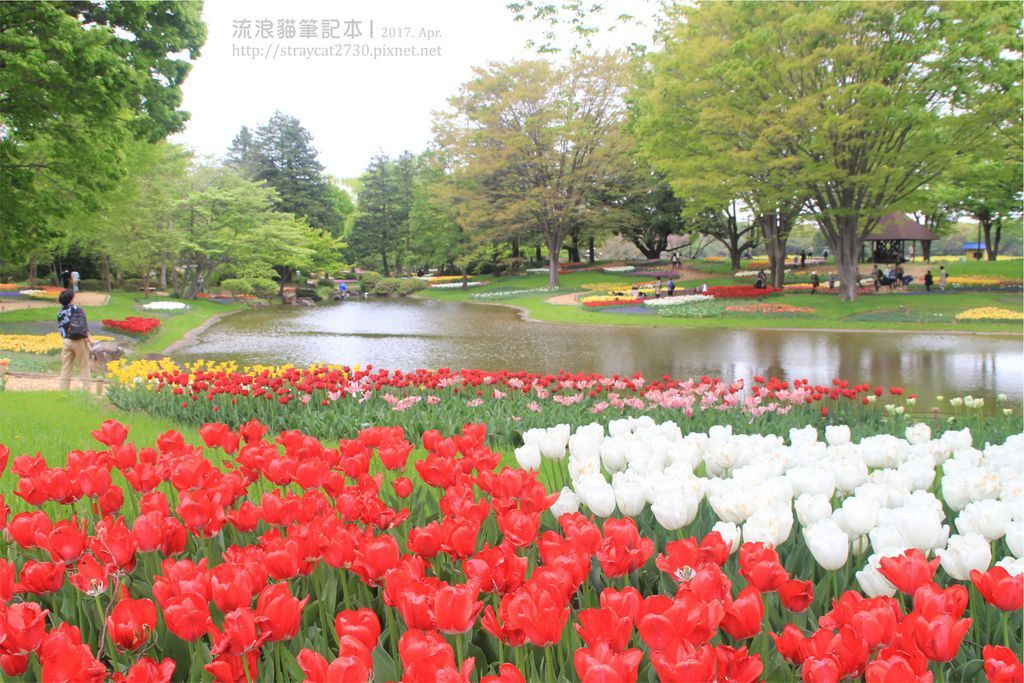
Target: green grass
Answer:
[[54, 423], [898, 310], [173, 325]]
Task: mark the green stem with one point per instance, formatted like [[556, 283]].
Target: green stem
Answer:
[[550, 663], [458, 649]]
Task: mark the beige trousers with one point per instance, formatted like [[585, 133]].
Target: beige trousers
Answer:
[[72, 350]]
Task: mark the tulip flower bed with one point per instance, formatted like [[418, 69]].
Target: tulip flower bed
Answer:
[[133, 325], [261, 558], [740, 291], [37, 343], [333, 401]]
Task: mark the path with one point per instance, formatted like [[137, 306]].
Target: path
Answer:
[[682, 274], [82, 299], [30, 381]]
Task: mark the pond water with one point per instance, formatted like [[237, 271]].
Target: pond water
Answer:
[[420, 333]]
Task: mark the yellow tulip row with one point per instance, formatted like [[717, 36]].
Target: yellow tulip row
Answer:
[[36, 343], [128, 372], [989, 313]]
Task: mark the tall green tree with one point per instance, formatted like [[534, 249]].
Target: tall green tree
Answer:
[[529, 143], [281, 153], [79, 80], [380, 227], [852, 106]]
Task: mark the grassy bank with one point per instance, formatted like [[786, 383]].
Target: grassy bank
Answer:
[[913, 309], [174, 325], [54, 423]]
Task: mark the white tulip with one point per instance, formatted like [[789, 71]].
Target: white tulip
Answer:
[[837, 435], [613, 455], [919, 433], [597, 494], [857, 516], [1015, 537], [552, 448], [954, 491], [849, 472], [920, 530], [829, 544], [730, 533], [567, 503], [983, 484], [674, 510], [1013, 565], [528, 456], [919, 472], [964, 553], [986, 517], [812, 480], [860, 545], [802, 437], [629, 493], [771, 526], [958, 440], [871, 580], [580, 467], [811, 508]]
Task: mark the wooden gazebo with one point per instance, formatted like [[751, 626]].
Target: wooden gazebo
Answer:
[[888, 242]]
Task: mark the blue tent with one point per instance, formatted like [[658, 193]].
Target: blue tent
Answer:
[[973, 246]]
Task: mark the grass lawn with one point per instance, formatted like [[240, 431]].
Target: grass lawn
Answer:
[[913, 310], [173, 326], [54, 423]]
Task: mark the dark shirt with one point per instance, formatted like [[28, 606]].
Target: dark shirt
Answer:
[[64, 320]]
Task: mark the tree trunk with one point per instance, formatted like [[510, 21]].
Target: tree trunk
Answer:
[[32, 267], [847, 250], [105, 272], [537, 254], [590, 251], [573, 249], [163, 276], [515, 248], [775, 235], [992, 243], [384, 259], [145, 283], [554, 249]]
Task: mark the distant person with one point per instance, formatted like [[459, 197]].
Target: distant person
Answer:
[[635, 292], [877, 276], [65, 279], [675, 260], [75, 340], [898, 273], [657, 288], [824, 253], [759, 283], [928, 280], [670, 286], [75, 279], [796, 260], [942, 278], [815, 282], [803, 258], [831, 280]]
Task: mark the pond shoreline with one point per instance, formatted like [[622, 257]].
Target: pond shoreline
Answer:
[[192, 336], [524, 315]]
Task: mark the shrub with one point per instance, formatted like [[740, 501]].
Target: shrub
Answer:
[[407, 286], [386, 286], [91, 285], [368, 281], [131, 284]]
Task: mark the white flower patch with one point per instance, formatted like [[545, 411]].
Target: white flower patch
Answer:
[[678, 300], [618, 269], [166, 306], [456, 285], [513, 292]]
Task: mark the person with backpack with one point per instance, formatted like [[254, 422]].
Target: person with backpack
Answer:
[[75, 340]]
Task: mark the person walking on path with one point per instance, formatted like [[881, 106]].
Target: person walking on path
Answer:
[[657, 288], [942, 278], [928, 280], [75, 279], [75, 340], [670, 286], [803, 258], [815, 282]]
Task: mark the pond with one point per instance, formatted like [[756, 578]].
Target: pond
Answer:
[[420, 333]]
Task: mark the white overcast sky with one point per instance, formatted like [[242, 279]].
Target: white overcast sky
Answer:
[[352, 105]]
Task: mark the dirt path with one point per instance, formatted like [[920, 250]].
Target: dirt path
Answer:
[[27, 381], [82, 299], [682, 274]]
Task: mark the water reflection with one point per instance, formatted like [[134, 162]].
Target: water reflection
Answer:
[[414, 333]]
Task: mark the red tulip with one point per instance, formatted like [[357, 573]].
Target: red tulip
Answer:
[[735, 665], [64, 658], [456, 607], [938, 636], [278, 613], [873, 619], [13, 665], [30, 529], [623, 550], [232, 587], [538, 611], [796, 595], [111, 433], [498, 569], [895, 669], [908, 571], [402, 486], [520, 528], [148, 670], [353, 663], [1000, 588], [112, 543], [820, 670], [602, 663], [790, 644], [426, 541], [239, 635], [743, 617], [626, 602], [66, 541], [374, 557], [40, 577], [361, 624], [231, 669], [131, 622], [1001, 664], [187, 617], [507, 673], [604, 626]]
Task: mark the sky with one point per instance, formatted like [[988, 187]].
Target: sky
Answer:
[[357, 94]]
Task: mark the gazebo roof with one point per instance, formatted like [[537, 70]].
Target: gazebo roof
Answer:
[[897, 226]]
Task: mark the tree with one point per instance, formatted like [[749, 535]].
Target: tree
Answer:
[[282, 154], [851, 105], [722, 225], [435, 237], [528, 144], [989, 183], [80, 79], [380, 228]]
